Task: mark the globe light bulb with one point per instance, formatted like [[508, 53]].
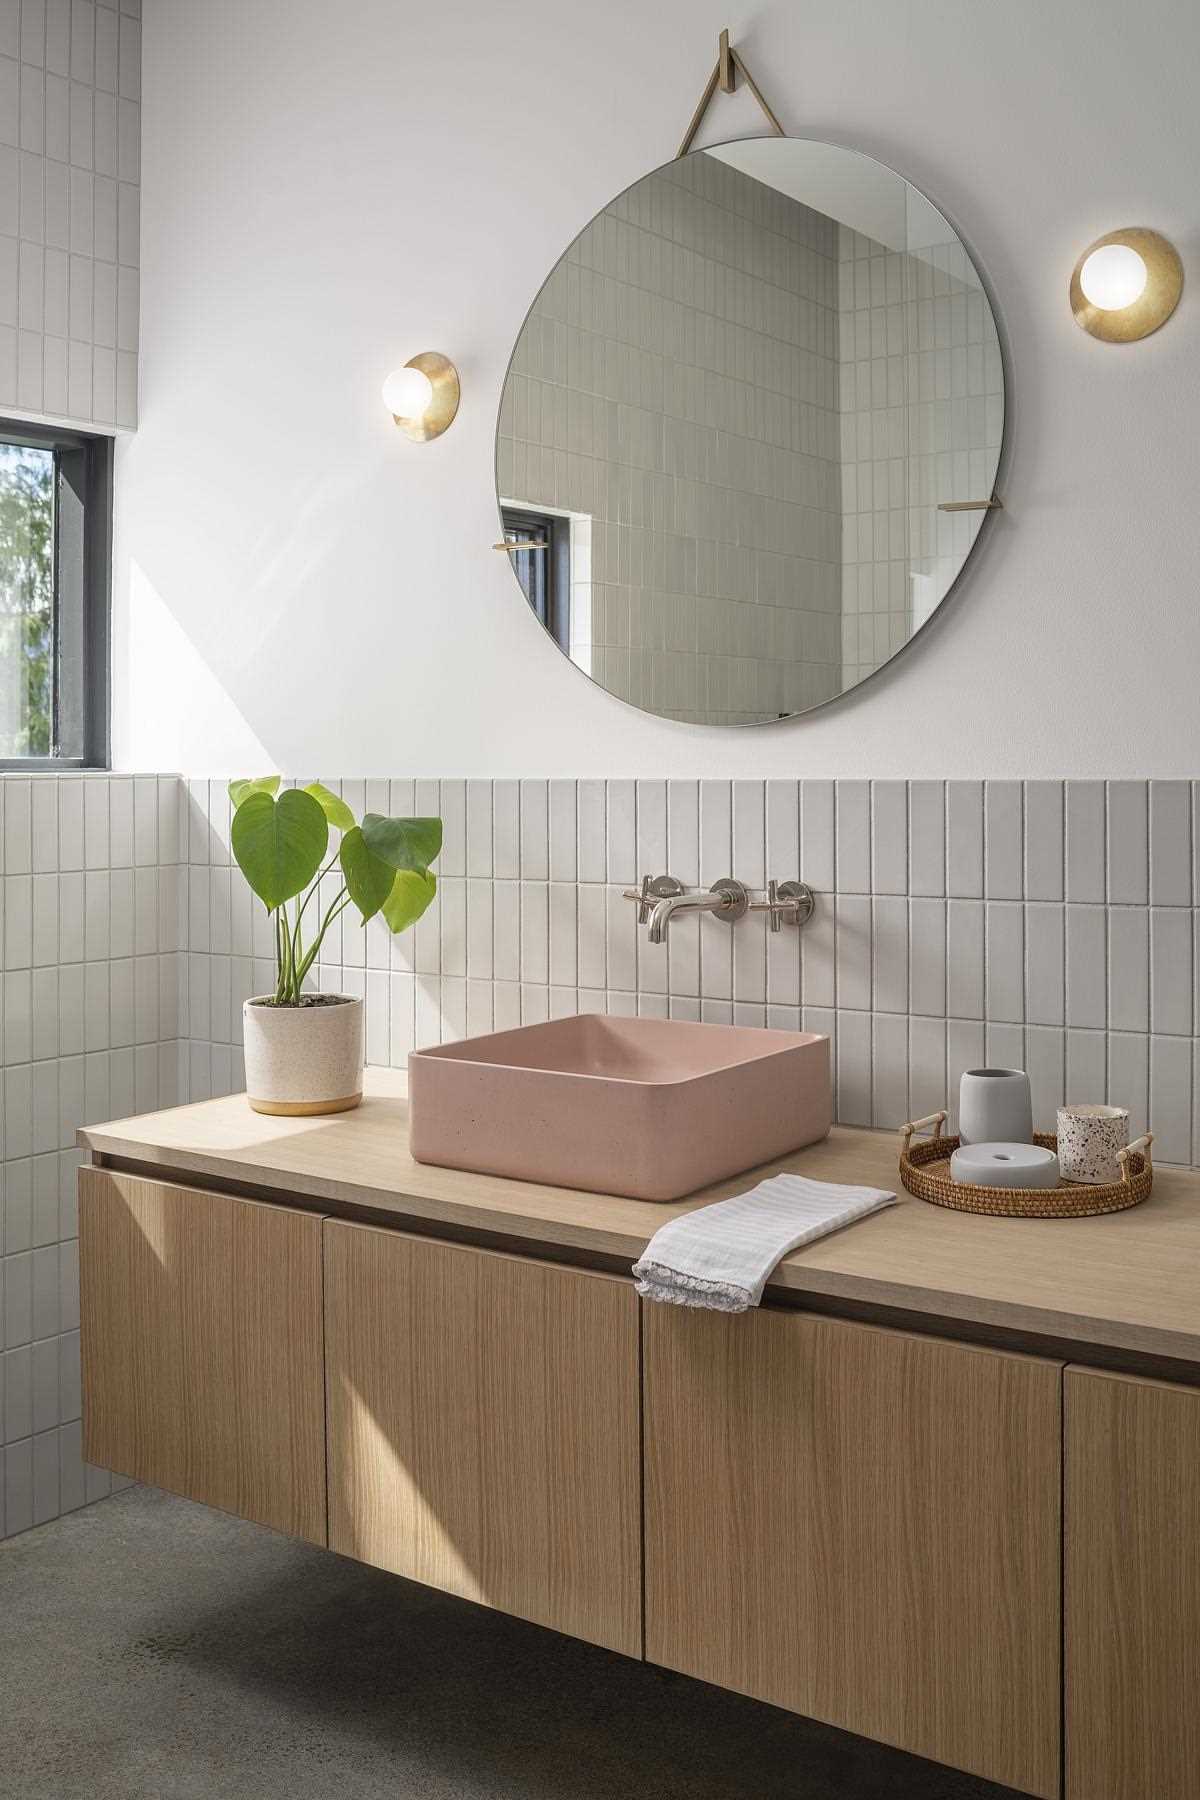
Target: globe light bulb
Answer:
[[1113, 277], [407, 393]]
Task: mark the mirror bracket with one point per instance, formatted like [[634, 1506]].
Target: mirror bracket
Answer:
[[729, 65]]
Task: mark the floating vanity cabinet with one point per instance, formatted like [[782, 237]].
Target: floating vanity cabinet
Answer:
[[484, 1427], [201, 1341], [1132, 1588], [860, 1525]]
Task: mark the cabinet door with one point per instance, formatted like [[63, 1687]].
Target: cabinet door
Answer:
[[201, 1339], [862, 1526], [484, 1428], [1132, 1588]]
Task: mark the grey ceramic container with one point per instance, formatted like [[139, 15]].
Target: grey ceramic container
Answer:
[[995, 1107]]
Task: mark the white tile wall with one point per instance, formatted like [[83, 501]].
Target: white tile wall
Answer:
[[70, 102], [91, 982], [921, 403], [1047, 924]]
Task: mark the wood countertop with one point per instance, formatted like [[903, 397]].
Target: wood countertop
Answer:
[[1126, 1282]]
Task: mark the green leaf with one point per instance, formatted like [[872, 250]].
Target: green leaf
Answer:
[[335, 810], [279, 844], [412, 891], [241, 790], [369, 881], [403, 843]]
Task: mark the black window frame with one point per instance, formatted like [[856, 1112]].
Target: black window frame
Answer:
[[83, 510], [551, 603]]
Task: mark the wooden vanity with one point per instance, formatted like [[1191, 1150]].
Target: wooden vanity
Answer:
[[943, 1489]]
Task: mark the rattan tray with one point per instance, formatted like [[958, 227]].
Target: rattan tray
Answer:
[[925, 1172]]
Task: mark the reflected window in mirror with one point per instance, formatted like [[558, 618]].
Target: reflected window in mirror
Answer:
[[541, 560]]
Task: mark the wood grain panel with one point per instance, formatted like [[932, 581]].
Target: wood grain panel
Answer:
[[861, 1526], [1126, 1281], [1132, 1588], [202, 1353], [484, 1428]]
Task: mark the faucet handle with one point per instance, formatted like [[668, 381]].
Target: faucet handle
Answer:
[[661, 887]]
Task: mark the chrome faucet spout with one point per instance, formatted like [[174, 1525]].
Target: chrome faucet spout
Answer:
[[666, 909]]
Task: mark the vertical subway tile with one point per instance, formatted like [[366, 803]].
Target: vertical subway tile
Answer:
[[1004, 962], [854, 951], [926, 1066], [479, 828], [889, 1071], [1045, 1060], [927, 838], [535, 831], [817, 955], [621, 941], [1128, 969], [853, 1068], [564, 861], [45, 824], [506, 830], [683, 831], [1087, 966], [927, 955], [854, 837], [1002, 840], [889, 934], [783, 831], [592, 831], [1128, 844], [622, 833], [964, 959], [1170, 843], [889, 837], [1005, 1045], [1085, 841], [716, 831], [1171, 1098], [1128, 1076], [535, 932], [964, 839], [70, 823], [592, 937], [817, 835], [563, 934], [1087, 1068], [506, 930], [1045, 840], [1044, 964], [1171, 970], [651, 857], [749, 861]]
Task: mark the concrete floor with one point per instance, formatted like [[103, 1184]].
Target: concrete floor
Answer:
[[153, 1650]]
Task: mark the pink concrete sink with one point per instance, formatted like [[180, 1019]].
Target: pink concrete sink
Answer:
[[650, 1108]]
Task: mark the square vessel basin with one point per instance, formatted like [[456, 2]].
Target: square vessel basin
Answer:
[[649, 1108]]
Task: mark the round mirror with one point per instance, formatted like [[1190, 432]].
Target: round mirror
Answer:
[[750, 430]]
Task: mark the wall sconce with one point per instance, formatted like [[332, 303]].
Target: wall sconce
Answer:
[[423, 396], [1126, 285]]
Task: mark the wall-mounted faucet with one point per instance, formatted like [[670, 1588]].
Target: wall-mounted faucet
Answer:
[[660, 897]]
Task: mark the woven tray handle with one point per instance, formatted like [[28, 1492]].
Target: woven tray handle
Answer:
[[937, 1120], [1141, 1144]]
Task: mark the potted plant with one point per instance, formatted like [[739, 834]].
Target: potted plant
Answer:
[[304, 1050]]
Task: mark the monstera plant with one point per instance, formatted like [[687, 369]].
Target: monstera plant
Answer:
[[282, 844]]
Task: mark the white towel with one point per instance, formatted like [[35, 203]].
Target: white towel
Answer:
[[720, 1256]]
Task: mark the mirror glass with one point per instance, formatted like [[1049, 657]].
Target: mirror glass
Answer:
[[734, 418]]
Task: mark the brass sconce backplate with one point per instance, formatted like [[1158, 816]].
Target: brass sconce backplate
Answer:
[[443, 378], [1154, 305]]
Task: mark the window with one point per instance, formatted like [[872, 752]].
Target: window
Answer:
[[55, 546], [543, 565]]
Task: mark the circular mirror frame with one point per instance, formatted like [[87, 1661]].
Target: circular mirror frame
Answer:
[[927, 626]]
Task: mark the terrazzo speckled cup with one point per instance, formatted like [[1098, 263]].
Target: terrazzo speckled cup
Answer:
[[303, 1060], [1088, 1140]]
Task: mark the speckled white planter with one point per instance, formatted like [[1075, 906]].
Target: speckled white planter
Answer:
[[303, 1060]]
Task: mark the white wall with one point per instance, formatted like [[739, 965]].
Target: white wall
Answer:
[[327, 190]]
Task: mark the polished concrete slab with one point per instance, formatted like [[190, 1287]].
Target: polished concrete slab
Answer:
[[154, 1650]]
